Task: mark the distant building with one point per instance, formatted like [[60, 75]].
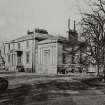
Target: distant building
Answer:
[[2, 62], [40, 52], [50, 55]]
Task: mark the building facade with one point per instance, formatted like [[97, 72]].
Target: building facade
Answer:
[[35, 52], [49, 56], [19, 53], [2, 62], [41, 52]]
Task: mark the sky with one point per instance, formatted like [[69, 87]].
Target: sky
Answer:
[[18, 16]]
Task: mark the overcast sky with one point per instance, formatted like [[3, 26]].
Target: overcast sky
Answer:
[[17, 16]]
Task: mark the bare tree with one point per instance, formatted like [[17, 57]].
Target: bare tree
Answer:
[[93, 30]]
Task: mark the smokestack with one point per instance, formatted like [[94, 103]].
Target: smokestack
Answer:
[[69, 24], [74, 26]]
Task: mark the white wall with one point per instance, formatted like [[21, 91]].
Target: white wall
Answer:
[[47, 64], [60, 54], [14, 47], [25, 50]]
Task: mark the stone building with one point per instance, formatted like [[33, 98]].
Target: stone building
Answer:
[[21, 52], [2, 62], [37, 52], [50, 55], [41, 52]]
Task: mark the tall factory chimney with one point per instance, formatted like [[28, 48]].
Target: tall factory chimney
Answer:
[[74, 26], [69, 24]]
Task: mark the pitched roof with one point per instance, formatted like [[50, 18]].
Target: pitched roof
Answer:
[[53, 40], [37, 36]]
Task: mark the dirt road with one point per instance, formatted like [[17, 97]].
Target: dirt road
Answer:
[[32, 89]]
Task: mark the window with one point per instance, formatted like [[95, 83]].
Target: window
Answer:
[[12, 59], [13, 45], [4, 49], [19, 60], [18, 45], [9, 46], [41, 56], [27, 44], [47, 52], [9, 58], [47, 56], [27, 57], [54, 55]]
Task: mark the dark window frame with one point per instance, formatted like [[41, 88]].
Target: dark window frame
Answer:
[[19, 45], [9, 58], [9, 46], [27, 57]]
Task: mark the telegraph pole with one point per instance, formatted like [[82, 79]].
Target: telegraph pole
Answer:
[[33, 51]]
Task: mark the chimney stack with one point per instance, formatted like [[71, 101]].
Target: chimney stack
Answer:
[[30, 32], [74, 26], [69, 24]]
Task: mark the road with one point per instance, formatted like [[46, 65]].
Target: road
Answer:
[[32, 89]]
